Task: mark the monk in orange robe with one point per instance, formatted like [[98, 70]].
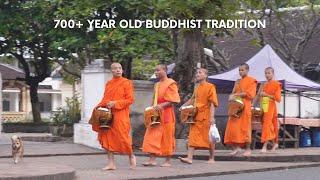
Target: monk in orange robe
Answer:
[[272, 93], [205, 99], [159, 140], [238, 130], [118, 96]]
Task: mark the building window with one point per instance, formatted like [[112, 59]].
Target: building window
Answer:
[[45, 102], [41, 106], [6, 105]]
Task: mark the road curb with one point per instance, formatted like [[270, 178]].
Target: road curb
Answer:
[[50, 155], [293, 158], [231, 172], [281, 158]]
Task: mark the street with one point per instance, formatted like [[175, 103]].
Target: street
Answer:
[[311, 173]]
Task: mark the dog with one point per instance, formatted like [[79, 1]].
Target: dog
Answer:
[[17, 148]]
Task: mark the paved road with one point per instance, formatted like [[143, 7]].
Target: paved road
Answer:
[[312, 173]]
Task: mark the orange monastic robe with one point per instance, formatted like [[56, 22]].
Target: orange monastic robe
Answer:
[[270, 129], [238, 130], [160, 140], [117, 138], [205, 95]]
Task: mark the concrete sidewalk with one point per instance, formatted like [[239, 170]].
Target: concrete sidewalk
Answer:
[[62, 147], [65, 148], [33, 137], [87, 162], [89, 167], [311, 154]]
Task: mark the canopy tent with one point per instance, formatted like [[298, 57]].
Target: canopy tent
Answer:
[[266, 57]]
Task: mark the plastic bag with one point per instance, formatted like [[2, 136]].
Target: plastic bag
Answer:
[[214, 135]]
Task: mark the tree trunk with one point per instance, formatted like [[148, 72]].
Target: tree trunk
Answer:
[[190, 52], [175, 34], [35, 105], [127, 66]]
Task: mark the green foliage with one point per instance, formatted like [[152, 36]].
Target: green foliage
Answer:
[[25, 27], [136, 43], [143, 69], [68, 115], [7, 60], [26, 31], [117, 44], [275, 4]]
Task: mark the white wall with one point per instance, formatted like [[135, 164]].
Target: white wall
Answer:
[[309, 108], [66, 90], [0, 103], [56, 101], [93, 89], [93, 79]]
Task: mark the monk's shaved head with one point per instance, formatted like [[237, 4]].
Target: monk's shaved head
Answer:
[[115, 64], [269, 73], [201, 74], [245, 65], [161, 71], [270, 69], [205, 71], [116, 69], [243, 70], [164, 67]]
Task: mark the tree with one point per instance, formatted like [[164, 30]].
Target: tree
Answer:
[[114, 44], [289, 31], [190, 42], [25, 34]]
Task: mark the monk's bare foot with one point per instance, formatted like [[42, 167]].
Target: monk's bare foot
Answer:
[[185, 160], [235, 152], [149, 163], [109, 168], [211, 161], [133, 162], [274, 147], [247, 153], [263, 150], [166, 164]]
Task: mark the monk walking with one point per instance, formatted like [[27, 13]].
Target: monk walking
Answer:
[[159, 140], [270, 94], [238, 130], [205, 97], [118, 96]]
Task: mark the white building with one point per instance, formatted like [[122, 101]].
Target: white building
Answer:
[[16, 95]]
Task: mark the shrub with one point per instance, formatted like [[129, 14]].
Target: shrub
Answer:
[[143, 69], [69, 115]]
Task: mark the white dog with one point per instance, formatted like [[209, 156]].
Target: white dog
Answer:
[[17, 148]]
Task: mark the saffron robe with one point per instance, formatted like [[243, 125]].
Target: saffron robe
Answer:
[[205, 96], [117, 138], [238, 130], [160, 140], [270, 127]]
